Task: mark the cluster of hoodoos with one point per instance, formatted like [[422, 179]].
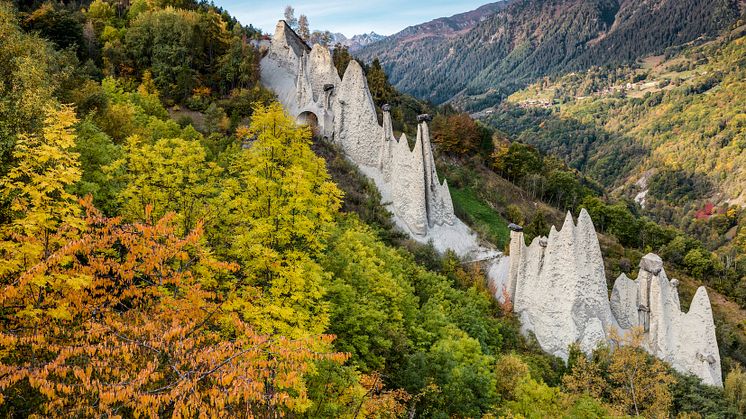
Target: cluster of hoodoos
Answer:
[[557, 284]]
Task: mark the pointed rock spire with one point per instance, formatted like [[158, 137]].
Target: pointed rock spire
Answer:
[[306, 80], [439, 203], [517, 250], [696, 350], [286, 44], [356, 122], [386, 155], [322, 73], [408, 187]]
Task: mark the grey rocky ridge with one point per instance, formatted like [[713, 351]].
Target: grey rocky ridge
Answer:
[[558, 288], [342, 110], [557, 284]]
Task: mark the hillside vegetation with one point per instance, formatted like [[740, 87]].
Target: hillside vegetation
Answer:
[[684, 112], [227, 264], [667, 136], [528, 39]]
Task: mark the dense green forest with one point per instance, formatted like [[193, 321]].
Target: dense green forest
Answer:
[[174, 245], [528, 39]]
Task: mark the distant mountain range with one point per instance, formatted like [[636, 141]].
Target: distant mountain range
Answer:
[[477, 58], [357, 41], [445, 27], [433, 30]]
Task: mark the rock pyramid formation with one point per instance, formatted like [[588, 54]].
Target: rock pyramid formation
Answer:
[[557, 284], [686, 340], [307, 84], [558, 288]]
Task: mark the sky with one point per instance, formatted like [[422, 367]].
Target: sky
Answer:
[[350, 17]]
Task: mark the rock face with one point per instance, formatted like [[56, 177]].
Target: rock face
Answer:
[[557, 284], [306, 82], [558, 287], [298, 75], [625, 302], [686, 340]]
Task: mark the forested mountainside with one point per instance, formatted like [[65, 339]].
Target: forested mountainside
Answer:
[[683, 113], [667, 138], [441, 28], [527, 39], [401, 50], [171, 244]]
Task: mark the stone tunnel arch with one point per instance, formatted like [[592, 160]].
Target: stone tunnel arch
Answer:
[[310, 120]]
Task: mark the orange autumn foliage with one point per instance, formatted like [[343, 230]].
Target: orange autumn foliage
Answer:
[[379, 402], [456, 134], [117, 322]]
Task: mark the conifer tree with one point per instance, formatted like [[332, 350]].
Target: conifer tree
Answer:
[[341, 58], [378, 83]]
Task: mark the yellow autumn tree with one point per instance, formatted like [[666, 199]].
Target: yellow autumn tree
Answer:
[[509, 371], [171, 175], [641, 382], [125, 325], [379, 402], [634, 382], [43, 214], [588, 374], [103, 317], [282, 204], [735, 389]]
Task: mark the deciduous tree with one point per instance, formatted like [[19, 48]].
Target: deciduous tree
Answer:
[[457, 134], [43, 213], [290, 18], [634, 382], [372, 303], [123, 319], [303, 30], [171, 175], [281, 203], [28, 67], [735, 389]]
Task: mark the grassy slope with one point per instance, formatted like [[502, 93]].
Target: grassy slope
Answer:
[[484, 196], [481, 217]]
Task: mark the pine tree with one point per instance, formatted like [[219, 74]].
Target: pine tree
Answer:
[[378, 83]]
